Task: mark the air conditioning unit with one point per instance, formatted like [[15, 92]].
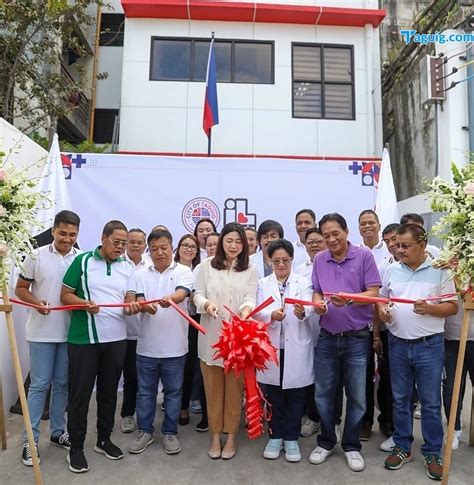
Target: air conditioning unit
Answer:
[[432, 79]]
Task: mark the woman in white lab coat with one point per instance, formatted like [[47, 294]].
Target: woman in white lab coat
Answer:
[[291, 332]]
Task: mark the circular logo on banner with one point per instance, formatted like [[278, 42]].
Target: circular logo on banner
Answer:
[[197, 209]]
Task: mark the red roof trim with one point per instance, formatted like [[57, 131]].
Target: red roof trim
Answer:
[[237, 155], [250, 12]]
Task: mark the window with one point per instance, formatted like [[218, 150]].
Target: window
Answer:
[[104, 123], [237, 61], [111, 29], [323, 81]]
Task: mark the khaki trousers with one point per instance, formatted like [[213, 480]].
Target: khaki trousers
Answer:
[[224, 398]]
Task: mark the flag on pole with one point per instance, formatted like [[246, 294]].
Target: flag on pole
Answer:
[[386, 205], [211, 110], [54, 184]]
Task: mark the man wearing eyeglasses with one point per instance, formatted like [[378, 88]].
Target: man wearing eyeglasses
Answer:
[[416, 346], [96, 340]]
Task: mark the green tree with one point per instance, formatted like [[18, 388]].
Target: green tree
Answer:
[[34, 35]]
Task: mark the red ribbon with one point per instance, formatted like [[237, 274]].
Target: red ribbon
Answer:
[[82, 306], [294, 301], [245, 347], [379, 299]]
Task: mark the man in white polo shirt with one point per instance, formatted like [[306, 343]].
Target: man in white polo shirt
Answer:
[[163, 341], [416, 346], [97, 340], [304, 220], [134, 254], [40, 284]]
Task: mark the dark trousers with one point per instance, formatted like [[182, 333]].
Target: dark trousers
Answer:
[[192, 372], [384, 391], [451, 348], [130, 383], [287, 408], [88, 364]]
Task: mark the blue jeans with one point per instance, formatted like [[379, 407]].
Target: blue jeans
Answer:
[[171, 372], [336, 356], [49, 366], [418, 363]]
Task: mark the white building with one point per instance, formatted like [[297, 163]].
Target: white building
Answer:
[[295, 78]]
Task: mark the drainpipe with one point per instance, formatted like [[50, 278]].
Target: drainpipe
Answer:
[[369, 79], [470, 99], [94, 74]]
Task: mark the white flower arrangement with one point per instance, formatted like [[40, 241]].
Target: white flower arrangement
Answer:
[[456, 227], [19, 203]]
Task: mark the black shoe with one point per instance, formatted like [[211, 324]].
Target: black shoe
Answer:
[[26, 457], [202, 426], [366, 432], [77, 461], [108, 449], [61, 440]]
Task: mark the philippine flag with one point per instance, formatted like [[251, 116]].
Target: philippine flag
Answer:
[[211, 110]]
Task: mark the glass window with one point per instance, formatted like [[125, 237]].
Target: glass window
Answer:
[[171, 60], [111, 29], [253, 63], [236, 61], [323, 81]]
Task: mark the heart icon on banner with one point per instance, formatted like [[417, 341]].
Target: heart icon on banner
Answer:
[[241, 218]]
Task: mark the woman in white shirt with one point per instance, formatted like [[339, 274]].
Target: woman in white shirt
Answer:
[[291, 332], [229, 280]]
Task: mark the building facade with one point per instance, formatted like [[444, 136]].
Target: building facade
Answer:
[[295, 78]]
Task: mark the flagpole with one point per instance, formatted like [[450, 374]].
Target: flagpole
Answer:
[[209, 142]]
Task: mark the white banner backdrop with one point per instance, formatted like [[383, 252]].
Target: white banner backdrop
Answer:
[[143, 191]]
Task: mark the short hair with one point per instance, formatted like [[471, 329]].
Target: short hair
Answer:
[[311, 230], [154, 235], [197, 259], [417, 232], [413, 217], [281, 244], [136, 229], [248, 228], [204, 219], [394, 227], [270, 225], [212, 234], [333, 217], [218, 261], [112, 226], [159, 227], [306, 211], [66, 217], [371, 212]]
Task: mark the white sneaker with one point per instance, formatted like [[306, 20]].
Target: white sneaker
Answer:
[[309, 427], [129, 424], [338, 433], [355, 461], [319, 455], [387, 445], [456, 438], [417, 413]]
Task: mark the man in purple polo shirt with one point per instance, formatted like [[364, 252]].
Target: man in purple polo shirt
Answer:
[[343, 343]]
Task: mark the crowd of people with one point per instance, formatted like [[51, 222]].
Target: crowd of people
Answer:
[[325, 351]]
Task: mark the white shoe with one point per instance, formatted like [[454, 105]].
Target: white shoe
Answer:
[[338, 433], [355, 461], [387, 445], [309, 427], [319, 455], [456, 439], [129, 424], [417, 413]]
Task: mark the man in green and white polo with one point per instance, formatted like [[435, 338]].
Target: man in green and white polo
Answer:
[[96, 340]]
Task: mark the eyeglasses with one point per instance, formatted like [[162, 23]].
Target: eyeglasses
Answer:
[[189, 247], [285, 261], [406, 246], [118, 243], [315, 242]]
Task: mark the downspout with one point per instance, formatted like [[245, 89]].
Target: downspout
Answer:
[[94, 75], [470, 99], [369, 79]]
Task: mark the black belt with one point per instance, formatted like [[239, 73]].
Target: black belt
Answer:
[[419, 339], [364, 332]]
